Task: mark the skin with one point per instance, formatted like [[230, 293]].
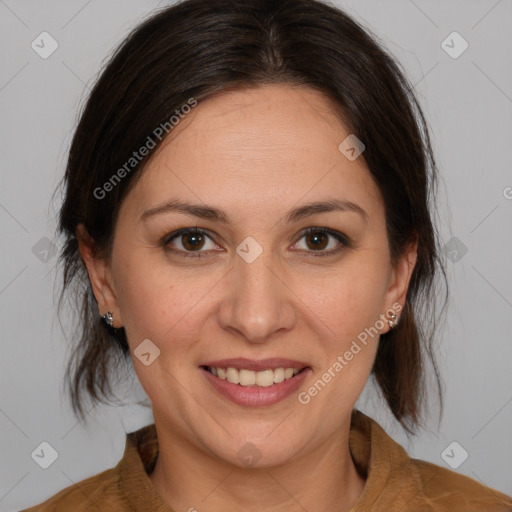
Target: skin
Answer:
[[255, 153]]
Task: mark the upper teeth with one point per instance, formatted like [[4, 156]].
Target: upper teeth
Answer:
[[263, 378]]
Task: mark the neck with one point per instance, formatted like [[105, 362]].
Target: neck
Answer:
[[325, 479]]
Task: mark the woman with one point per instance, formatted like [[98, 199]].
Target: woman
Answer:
[[248, 221]]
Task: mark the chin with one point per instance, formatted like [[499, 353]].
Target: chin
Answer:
[[251, 453]]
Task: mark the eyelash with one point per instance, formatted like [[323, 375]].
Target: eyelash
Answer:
[[343, 239]]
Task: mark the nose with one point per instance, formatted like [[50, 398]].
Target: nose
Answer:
[[258, 302]]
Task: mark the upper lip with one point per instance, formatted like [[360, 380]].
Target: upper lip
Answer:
[[262, 364]]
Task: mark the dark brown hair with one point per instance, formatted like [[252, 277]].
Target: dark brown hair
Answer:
[[196, 48]]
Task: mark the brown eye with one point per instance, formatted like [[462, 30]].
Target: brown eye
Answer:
[[186, 242], [192, 240], [319, 240]]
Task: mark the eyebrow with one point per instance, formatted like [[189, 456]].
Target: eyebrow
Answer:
[[215, 214]]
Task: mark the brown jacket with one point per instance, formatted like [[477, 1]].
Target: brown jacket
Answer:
[[394, 481]]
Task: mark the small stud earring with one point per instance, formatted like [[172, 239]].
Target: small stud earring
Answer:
[[393, 321], [109, 318]]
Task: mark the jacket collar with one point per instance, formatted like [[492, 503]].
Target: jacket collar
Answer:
[[393, 482]]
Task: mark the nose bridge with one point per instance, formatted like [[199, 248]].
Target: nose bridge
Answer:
[[258, 304]]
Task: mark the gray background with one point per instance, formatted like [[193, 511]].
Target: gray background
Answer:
[[468, 103]]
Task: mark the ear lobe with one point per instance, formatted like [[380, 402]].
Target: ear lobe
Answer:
[[401, 276], [99, 275]]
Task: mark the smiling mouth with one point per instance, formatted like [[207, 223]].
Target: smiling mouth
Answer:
[[249, 378]]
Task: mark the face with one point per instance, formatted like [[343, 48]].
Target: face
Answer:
[[253, 275]]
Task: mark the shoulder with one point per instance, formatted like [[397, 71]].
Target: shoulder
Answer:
[[395, 481], [445, 489], [100, 491]]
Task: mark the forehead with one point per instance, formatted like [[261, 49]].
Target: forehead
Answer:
[[260, 121], [272, 144]]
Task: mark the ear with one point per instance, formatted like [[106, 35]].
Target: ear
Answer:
[[399, 279], [99, 276]]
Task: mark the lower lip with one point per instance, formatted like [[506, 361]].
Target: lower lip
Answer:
[[256, 395]]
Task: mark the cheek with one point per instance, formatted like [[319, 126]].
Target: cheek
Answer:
[[159, 304], [166, 311], [350, 332], [347, 308], [348, 300]]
